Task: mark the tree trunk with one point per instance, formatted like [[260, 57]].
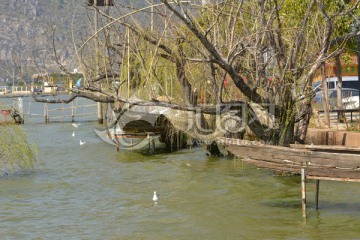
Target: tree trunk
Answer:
[[341, 116], [325, 102], [181, 75], [302, 127], [287, 127], [287, 117]]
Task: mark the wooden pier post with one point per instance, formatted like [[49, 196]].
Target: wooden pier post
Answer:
[[72, 112], [303, 192], [46, 113], [100, 113], [317, 194]]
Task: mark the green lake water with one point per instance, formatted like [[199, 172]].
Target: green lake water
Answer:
[[93, 192]]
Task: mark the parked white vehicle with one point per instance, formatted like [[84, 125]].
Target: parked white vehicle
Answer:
[[351, 102], [347, 82], [332, 98]]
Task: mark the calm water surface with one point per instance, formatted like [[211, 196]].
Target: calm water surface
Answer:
[[93, 192]]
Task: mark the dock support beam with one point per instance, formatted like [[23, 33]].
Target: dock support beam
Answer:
[[46, 113], [72, 112], [317, 194], [100, 113], [303, 192]]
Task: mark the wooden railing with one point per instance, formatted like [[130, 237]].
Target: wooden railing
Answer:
[[62, 111], [340, 112]]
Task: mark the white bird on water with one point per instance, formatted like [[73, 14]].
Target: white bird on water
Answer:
[[81, 142], [73, 134], [75, 125], [155, 197]]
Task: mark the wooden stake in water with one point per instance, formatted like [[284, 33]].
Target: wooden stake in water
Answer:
[[46, 113], [317, 193], [72, 112], [303, 192]]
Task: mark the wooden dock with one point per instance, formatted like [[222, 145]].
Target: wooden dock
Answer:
[[319, 162]]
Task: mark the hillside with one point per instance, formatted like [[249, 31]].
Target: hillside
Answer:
[[26, 34]]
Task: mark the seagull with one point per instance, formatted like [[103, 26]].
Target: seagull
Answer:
[[73, 134], [81, 142], [155, 197], [75, 125]]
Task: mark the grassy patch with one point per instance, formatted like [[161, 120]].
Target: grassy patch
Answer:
[[353, 126], [17, 154]]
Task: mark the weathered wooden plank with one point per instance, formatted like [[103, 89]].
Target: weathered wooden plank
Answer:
[[327, 148], [331, 138], [292, 159], [324, 148], [233, 141], [302, 157], [334, 173], [285, 168], [334, 179], [310, 170]]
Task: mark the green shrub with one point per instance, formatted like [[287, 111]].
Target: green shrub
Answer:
[[17, 154], [353, 126]]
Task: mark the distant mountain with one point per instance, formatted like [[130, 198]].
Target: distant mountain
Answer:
[[26, 33]]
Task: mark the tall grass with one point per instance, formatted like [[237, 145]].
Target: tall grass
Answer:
[[17, 154], [353, 126]]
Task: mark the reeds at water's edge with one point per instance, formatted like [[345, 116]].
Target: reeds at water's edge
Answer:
[[17, 153]]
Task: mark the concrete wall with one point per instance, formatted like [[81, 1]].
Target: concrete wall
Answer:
[[331, 137]]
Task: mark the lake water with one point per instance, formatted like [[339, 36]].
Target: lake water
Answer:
[[93, 192]]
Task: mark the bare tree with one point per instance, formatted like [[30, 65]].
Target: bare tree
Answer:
[[258, 53]]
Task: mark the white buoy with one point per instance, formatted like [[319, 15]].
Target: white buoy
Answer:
[[81, 142], [155, 197], [73, 134]]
